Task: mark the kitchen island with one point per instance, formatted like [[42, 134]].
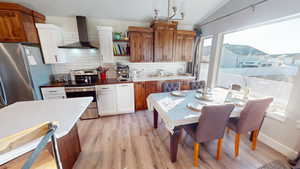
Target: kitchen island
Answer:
[[23, 115]]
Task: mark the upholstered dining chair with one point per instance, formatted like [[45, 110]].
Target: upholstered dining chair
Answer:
[[211, 126], [250, 120], [236, 87], [197, 85], [170, 86], [40, 158]]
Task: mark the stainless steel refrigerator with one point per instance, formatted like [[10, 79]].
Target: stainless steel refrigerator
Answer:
[[22, 71]]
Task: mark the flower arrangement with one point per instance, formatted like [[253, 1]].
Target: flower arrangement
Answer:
[[102, 71]]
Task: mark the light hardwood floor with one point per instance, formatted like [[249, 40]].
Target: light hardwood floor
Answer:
[[130, 142]]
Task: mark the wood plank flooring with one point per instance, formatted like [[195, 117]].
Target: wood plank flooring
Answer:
[[130, 142]]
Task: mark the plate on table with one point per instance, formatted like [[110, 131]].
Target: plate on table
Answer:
[[178, 93], [195, 106], [201, 91], [205, 97]]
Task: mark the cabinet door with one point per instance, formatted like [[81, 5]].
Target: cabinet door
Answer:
[[125, 98], [163, 45], [188, 48], [185, 84], [152, 87], [106, 44], [178, 47], [140, 96], [11, 28], [147, 47], [183, 48], [135, 46], [53, 93], [50, 39], [29, 28], [106, 96]]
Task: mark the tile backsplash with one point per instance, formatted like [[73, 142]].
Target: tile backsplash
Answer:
[[90, 59]]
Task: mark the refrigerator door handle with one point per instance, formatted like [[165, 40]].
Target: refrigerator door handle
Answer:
[[3, 98]]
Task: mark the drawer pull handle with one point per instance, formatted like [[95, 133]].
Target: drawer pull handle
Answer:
[[53, 91]]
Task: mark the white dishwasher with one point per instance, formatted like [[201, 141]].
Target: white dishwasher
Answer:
[[115, 99]]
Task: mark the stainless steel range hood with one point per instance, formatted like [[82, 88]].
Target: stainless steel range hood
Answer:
[[83, 36]]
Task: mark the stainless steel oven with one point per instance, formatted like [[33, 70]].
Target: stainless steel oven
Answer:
[[85, 91]]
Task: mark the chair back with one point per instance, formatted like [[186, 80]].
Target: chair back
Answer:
[[213, 121], [21, 138], [253, 114], [236, 87], [170, 86], [197, 85]]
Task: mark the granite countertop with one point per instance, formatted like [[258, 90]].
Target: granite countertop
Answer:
[[74, 84], [116, 81], [175, 77], [23, 115]]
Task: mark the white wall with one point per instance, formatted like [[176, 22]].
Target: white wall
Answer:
[[84, 59], [283, 136]]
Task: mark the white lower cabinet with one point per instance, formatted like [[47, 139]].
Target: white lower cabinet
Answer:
[[115, 99], [106, 98], [125, 98]]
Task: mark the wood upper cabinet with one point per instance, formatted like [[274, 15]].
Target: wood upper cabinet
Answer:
[[141, 44], [183, 48], [17, 23], [11, 28], [161, 43], [29, 29], [164, 40], [38, 17], [140, 96]]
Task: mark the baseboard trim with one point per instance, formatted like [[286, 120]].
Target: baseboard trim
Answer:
[[285, 150]]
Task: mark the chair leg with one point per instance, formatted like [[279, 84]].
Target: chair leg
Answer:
[[254, 139], [219, 149], [237, 144], [196, 154]]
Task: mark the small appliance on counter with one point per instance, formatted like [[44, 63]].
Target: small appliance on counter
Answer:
[[85, 76], [61, 78], [122, 72]]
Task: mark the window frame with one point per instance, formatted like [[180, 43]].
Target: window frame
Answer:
[[279, 116], [201, 44]]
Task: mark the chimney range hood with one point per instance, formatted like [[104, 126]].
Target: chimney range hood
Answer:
[[83, 36]]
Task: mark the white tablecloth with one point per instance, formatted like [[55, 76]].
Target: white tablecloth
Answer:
[[174, 111]]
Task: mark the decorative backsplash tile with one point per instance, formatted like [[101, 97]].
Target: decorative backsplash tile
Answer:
[[90, 59]]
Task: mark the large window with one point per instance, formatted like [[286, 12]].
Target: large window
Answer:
[[205, 58], [264, 59]]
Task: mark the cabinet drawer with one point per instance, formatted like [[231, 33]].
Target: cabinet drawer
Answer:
[[54, 97], [53, 90], [105, 88], [53, 93]]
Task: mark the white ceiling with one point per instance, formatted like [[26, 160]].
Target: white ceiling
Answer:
[[136, 10]]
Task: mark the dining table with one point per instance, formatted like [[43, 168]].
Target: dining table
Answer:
[[176, 112]]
